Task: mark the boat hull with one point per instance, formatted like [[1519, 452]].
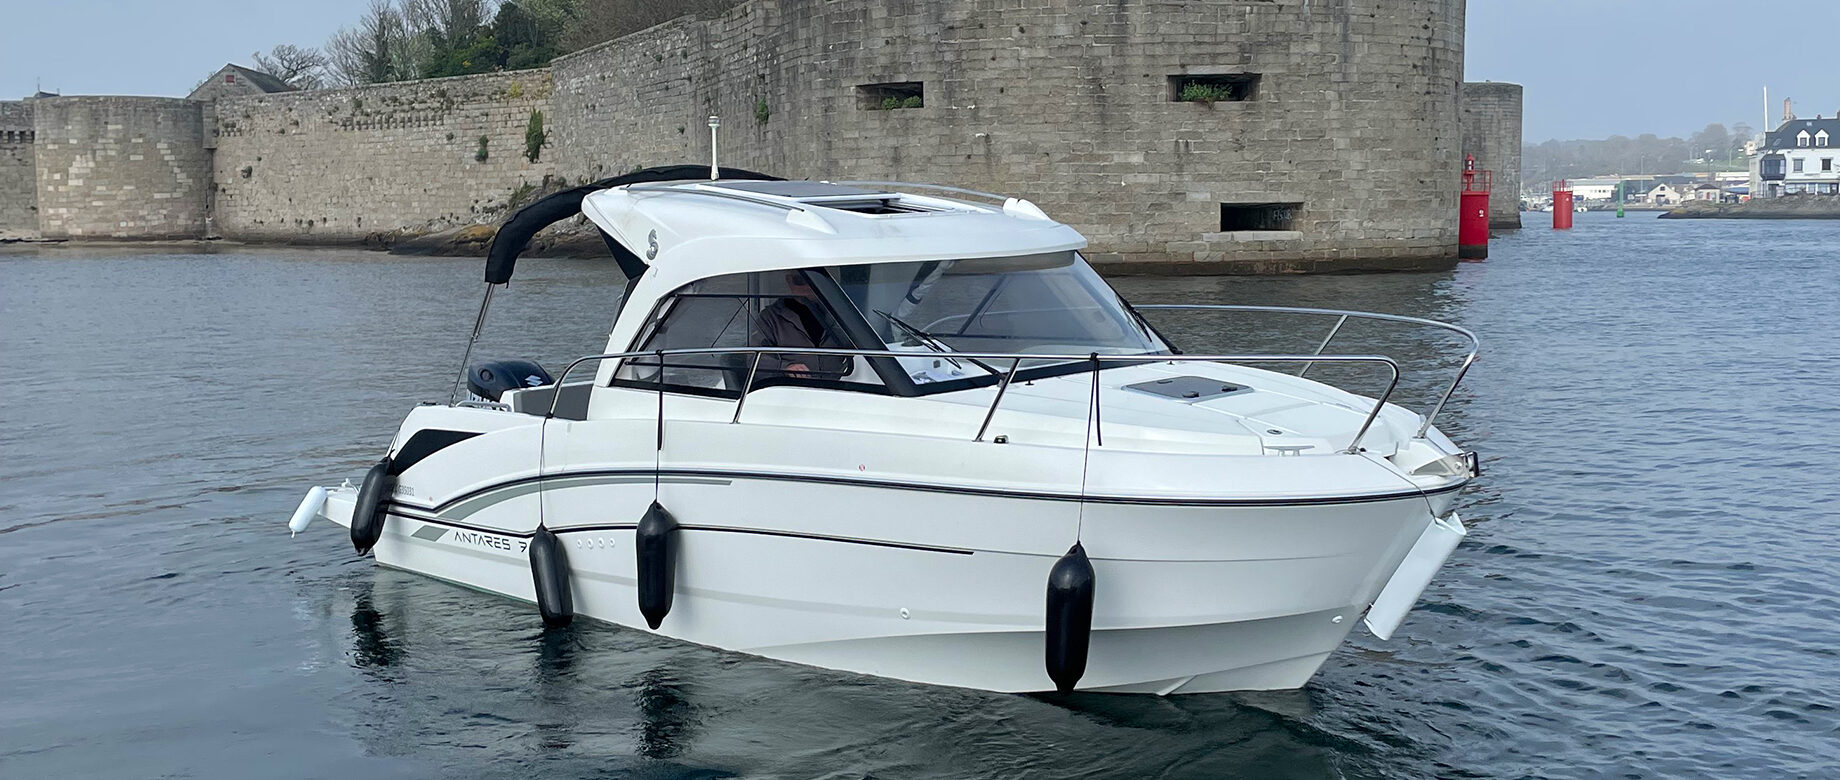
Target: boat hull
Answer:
[[1258, 604]]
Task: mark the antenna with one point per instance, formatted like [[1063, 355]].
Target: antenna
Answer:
[[714, 122]]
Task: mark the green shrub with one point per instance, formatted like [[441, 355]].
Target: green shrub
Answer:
[[481, 155], [1197, 92], [520, 195], [534, 137], [913, 101], [761, 111], [890, 103]]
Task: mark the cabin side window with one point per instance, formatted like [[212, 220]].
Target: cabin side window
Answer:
[[738, 312]]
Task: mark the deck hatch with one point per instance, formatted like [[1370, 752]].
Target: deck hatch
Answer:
[[1189, 389]]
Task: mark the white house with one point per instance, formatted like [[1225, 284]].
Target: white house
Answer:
[[1593, 189], [1662, 195], [1801, 156]]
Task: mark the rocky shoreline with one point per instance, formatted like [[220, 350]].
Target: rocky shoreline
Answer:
[[1786, 207]]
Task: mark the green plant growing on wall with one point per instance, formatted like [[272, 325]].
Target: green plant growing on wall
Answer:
[[761, 110], [481, 155], [534, 137], [1197, 92], [890, 103], [515, 91], [913, 101], [357, 105], [520, 195]]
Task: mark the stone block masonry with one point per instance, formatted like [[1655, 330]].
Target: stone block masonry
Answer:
[[1492, 132], [342, 165], [1347, 141], [18, 170], [120, 167], [1331, 137]]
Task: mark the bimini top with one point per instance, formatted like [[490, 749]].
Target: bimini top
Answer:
[[680, 229]]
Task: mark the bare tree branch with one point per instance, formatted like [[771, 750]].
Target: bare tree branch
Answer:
[[301, 67]]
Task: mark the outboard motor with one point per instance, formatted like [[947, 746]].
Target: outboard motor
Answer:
[[491, 378]]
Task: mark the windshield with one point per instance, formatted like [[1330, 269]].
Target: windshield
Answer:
[[1046, 303]]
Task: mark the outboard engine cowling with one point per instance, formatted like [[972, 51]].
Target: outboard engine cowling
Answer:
[[491, 378]]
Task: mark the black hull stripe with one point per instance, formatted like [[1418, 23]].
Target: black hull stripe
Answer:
[[951, 489], [631, 526]]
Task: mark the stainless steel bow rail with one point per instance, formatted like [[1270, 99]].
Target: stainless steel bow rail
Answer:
[[1342, 317], [1096, 361]]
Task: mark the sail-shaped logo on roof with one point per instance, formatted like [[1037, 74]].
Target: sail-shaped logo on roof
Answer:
[[651, 246]]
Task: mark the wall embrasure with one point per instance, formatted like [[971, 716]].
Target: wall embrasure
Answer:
[[1350, 132]]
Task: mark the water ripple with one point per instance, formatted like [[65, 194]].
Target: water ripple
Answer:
[[1647, 590]]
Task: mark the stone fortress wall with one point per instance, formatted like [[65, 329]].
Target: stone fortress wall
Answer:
[[1492, 133], [120, 167], [1344, 153], [1351, 127], [342, 164], [18, 169]]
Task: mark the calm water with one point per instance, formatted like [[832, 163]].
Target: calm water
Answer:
[[1649, 589]]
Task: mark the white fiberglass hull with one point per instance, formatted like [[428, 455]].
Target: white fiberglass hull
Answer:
[[1256, 604]]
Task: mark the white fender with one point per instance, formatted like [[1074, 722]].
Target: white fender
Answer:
[[1409, 581], [309, 508]]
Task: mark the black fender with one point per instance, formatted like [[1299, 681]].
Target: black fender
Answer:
[[1070, 608], [656, 544], [549, 569], [367, 514]]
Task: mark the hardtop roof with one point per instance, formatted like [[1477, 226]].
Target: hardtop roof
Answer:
[[689, 230]]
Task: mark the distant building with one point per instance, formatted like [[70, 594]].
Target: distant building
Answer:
[[1800, 157], [1709, 192], [1593, 189], [1662, 195], [235, 81]]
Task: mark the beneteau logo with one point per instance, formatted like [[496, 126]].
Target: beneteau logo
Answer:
[[651, 248]]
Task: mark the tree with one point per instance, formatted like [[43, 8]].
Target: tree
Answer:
[[301, 67], [449, 38], [410, 39], [529, 33], [374, 51], [1715, 137]]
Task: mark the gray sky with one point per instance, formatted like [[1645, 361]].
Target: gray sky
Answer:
[[1596, 68], [1592, 68]]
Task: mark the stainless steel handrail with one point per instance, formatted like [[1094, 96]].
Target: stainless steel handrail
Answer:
[[1354, 445], [679, 189], [1475, 345], [922, 186]]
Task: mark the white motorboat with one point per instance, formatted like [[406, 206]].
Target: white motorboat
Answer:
[[881, 429]]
